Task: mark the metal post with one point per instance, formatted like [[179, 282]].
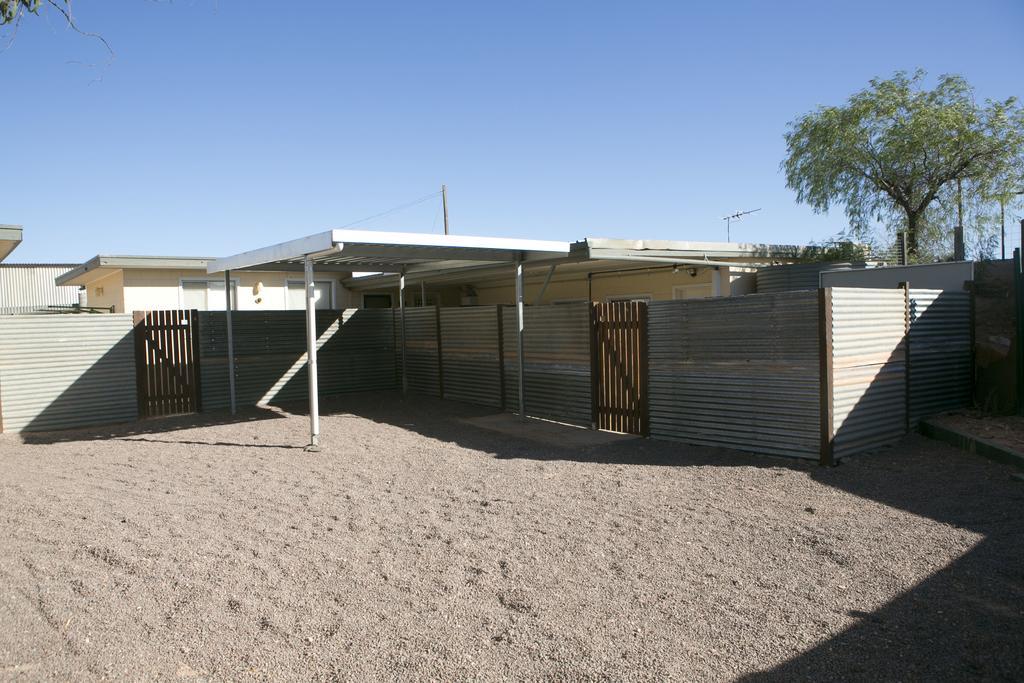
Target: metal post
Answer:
[[1018, 292], [423, 292], [314, 394], [519, 338], [716, 282], [231, 342], [401, 313]]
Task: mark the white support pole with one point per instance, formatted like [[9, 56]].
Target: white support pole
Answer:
[[716, 282], [519, 338], [231, 342], [401, 313], [314, 394]]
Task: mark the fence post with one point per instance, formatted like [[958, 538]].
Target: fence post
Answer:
[[595, 368], [440, 356], [501, 356], [196, 342], [905, 286], [1018, 295], [141, 367], [826, 455], [644, 369]]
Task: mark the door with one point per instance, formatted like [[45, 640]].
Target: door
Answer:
[[167, 362], [620, 366]]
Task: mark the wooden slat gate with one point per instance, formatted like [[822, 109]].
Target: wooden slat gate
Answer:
[[619, 372], [167, 362]]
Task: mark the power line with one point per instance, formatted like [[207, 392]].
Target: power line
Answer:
[[392, 210]]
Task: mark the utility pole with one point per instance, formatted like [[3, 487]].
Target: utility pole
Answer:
[[958, 234], [444, 203], [734, 217]]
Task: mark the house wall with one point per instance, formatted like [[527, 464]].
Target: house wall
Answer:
[[657, 283], [161, 289], [107, 292]]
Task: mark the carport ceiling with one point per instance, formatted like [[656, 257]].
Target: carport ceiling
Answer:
[[393, 252]]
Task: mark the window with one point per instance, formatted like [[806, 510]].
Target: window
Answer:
[[323, 291], [691, 291], [207, 295], [376, 301], [628, 297]]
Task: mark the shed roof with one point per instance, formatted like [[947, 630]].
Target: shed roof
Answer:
[[101, 266], [10, 238]]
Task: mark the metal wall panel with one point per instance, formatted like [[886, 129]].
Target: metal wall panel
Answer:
[[940, 352], [556, 343], [421, 353], [738, 372], [470, 349], [29, 287], [66, 371], [792, 277], [868, 368], [355, 352], [946, 276]]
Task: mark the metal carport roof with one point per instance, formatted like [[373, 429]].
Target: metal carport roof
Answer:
[[402, 253]]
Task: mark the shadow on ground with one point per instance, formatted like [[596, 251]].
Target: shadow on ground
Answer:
[[156, 429]]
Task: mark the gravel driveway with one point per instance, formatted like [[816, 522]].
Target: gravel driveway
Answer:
[[419, 545]]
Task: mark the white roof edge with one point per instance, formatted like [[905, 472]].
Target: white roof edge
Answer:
[[420, 239], [324, 241], [738, 248], [292, 249], [113, 263]]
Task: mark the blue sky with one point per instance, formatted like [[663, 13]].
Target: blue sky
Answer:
[[223, 125]]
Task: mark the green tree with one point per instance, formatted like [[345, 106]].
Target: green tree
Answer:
[[892, 149], [11, 11]]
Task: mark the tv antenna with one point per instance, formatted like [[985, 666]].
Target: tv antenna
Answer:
[[735, 217]]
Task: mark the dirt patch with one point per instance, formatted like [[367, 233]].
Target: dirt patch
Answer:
[[419, 546], [1005, 430]]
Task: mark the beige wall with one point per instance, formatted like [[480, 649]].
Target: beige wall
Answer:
[[659, 285], [107, 292], [161, 289]]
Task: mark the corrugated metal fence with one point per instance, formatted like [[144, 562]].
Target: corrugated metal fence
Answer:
[[422, 331], [471, 354], [62, 371], [737, 372], [803, 374], [355, 352], [557, 362], [940, 351], [867, 401]]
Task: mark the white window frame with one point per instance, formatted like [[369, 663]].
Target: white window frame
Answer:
[[613, 298], [679, 289], [207, 281], [391, 298], [334, 292]]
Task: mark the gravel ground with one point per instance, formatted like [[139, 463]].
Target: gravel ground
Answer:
[[419, 546]]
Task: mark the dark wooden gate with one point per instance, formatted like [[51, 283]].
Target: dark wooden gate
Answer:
[[167, 362], [619, 371]]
